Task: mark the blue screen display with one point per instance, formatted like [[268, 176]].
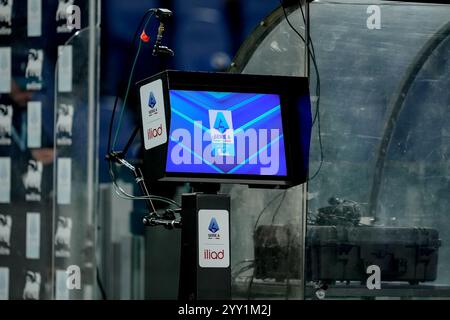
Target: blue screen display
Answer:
[[226, 133]]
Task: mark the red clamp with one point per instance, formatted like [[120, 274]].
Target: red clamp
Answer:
[[145, 37]]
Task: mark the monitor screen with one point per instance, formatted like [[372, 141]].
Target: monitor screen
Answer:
[[226, 133]]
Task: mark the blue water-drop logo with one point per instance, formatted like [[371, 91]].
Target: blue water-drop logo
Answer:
[[152, 100], [221, 123], [213, 226]]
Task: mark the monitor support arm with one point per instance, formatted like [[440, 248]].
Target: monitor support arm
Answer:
[[168, 219]]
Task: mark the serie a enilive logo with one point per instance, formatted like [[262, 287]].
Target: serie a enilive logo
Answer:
[[213, 229], [152, 104], [152, 101]]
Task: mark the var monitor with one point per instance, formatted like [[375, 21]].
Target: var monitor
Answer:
[[226, 128]]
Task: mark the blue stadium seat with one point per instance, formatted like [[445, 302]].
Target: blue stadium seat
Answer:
[[119, 22], [202, 39]]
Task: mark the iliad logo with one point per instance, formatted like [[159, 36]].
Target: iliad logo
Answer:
[[213, 255], [155, 132]]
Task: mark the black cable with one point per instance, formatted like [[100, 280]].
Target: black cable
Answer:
[[313, 57], [236, 274], [318, 83], [122, 84], [100, 285], [249, 289], [290, 24], [311, 53], [288, 265], [131, 140], [279, 207], [111, 123], [141, 27], [321, 150], [304, 21], [264, 210]]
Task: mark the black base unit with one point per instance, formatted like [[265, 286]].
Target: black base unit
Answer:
[[336, 253]]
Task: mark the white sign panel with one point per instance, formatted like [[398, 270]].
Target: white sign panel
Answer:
[[65, 68], [34, 124], [64, 180], [34, 18], [4, 284], [213, 239], [61, 292], [5, 180], [153, 114], [5, 70], [33, 244]]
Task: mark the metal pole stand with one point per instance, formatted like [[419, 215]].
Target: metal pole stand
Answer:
[[205, 271]]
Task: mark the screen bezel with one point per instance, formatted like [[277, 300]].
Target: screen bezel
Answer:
[[236, 84], [290, 90]]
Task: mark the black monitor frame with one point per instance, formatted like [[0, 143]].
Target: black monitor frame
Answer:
[[290, 89]]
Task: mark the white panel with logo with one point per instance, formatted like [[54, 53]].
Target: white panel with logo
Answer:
[[153, 114], [213, 239]]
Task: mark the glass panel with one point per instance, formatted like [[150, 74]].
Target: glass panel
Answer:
[[267, 225], [76, 172], [380, 195], [39, 175], [385, 161]]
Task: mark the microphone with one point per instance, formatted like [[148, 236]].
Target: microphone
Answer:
[[162, 15]]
